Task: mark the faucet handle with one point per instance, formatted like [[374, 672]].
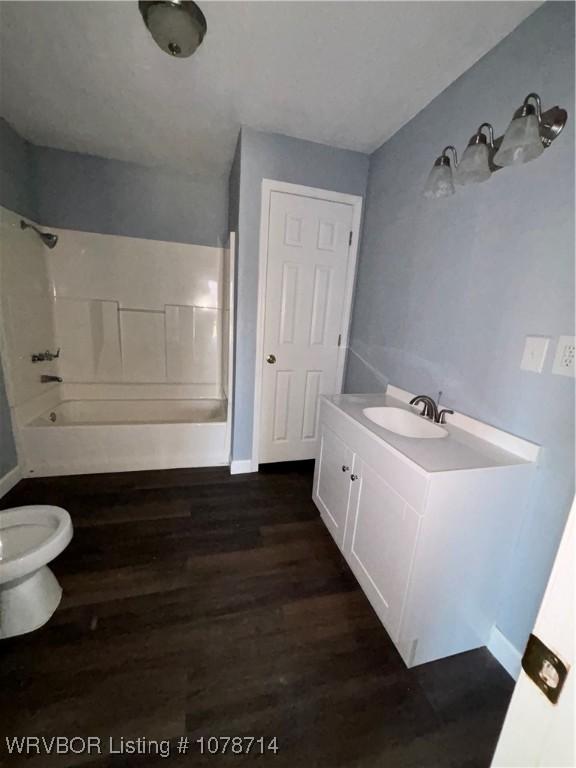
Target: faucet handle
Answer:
[[442, 415], [41, 357]]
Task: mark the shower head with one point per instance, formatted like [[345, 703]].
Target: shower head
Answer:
[[47, 238], [177, 26]]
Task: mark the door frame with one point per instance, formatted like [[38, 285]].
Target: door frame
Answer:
[[229, 290], [268, 187]]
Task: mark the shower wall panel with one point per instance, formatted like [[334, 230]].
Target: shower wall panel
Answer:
[[26, 309], [137, 311]]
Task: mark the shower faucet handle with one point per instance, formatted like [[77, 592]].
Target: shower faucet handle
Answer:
[[42, 357]]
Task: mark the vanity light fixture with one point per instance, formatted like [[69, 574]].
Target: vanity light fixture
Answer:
[[530, 132], [440, 181], [475, 163]]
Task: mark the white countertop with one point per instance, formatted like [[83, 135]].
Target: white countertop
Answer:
[[460, 449]]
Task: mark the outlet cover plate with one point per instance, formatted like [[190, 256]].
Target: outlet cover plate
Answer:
[[564, 359], [535, 350]]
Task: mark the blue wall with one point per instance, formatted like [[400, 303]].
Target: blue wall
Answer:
[[17, 191], [93, 194], [448, 289], [8, 458], [271, 156], [234, 189]]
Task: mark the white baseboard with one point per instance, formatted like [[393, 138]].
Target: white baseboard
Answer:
[[505, 653], [9, 481], [242, 466], [134, 465]]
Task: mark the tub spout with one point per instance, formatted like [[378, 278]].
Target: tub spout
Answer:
[[47, 379]]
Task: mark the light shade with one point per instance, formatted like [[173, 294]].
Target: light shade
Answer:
[[521, 142], [440, 182], [177, 26], [474, 165]]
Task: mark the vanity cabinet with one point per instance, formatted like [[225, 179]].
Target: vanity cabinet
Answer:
[[429, 549]]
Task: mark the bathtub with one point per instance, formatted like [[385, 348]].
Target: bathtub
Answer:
[[77, 436]]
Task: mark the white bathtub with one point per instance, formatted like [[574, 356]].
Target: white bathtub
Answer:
[[77, 436]]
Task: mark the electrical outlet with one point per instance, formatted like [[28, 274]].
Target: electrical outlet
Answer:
[[564, 360]]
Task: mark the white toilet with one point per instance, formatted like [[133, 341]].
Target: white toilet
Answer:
[[30, 537]]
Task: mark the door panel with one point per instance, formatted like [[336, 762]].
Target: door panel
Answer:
[[332, 483], [288, 305], [282, 405], [308, 262], [320, 304], [311, 393], [382, 537]]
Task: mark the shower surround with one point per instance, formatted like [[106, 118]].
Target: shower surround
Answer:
[[143, 329]]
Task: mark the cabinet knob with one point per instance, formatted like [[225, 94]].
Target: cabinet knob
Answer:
[[345, 468], [353, 477]]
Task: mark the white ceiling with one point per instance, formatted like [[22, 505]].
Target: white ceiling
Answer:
[[87, 76]]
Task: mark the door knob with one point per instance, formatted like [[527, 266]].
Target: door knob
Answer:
[[353, 477], [345, 468], [271, 359]]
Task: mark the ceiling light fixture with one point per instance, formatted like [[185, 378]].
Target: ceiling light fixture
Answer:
[[177, 26], [528, 135]]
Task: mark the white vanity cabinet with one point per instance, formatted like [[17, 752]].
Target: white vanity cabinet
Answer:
[[429, 549]]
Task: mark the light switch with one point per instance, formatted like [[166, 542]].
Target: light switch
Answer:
[[564, 359], [535, 350]]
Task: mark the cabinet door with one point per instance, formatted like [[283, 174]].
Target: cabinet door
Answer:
[[380, 542], [332, 483]]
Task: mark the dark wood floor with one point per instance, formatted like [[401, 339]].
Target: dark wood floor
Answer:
[[203, 604]]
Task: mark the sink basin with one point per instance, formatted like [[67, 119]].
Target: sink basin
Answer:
[[404, 422]]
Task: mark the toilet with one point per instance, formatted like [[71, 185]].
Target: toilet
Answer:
[[30, 538]]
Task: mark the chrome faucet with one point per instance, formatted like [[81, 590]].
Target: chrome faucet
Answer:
[[45, 379]]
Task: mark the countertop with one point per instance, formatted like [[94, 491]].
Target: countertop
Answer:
[[458, 450]]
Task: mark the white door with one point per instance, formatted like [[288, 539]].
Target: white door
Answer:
[[308, 263], [538, 733], [332, 483]]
